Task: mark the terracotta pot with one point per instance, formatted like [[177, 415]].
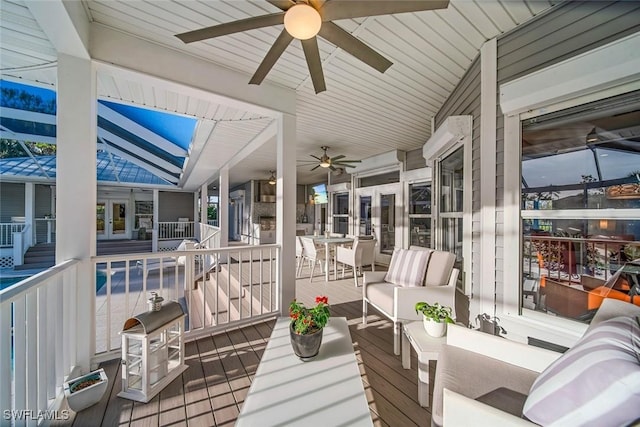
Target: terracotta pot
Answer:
[[306, 347], [433, 328]]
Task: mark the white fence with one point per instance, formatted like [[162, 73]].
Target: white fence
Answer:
[[37, 339]]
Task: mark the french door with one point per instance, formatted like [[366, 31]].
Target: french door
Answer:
[[379, 213], [112, 220]]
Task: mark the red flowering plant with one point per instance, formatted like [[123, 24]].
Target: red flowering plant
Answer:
[[309, 320]]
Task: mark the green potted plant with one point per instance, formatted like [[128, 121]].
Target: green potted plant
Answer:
[[435, 317]]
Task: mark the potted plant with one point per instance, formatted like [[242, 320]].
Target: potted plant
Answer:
[[86, 390], [306, 327], [435, 317]]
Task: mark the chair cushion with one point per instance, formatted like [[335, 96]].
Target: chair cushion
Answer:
[[439, 270], [596, 382], [381, 294], [407, 267]]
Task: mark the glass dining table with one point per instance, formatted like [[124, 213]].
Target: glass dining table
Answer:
[[328, 241]]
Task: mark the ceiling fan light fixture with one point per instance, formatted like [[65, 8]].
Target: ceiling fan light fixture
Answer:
[[302, 21], [325, 164], [272, 178], [592, 136]]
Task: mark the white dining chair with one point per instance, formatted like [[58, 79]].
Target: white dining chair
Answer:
[[313, 254], [360, 255]]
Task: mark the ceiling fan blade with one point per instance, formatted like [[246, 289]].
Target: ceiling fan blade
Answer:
[[346, 165], [312, 54], [232, 27], [332, 168], [272, 56], [344, 9], [315, 157], [314, 168], [341, 156], [353, 46], [282, 4]]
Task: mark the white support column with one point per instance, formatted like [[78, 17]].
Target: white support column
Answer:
[[484, 290], [30, 213], [223, 207], [156, 216], [76, 188], [204, 203], [286, 208]]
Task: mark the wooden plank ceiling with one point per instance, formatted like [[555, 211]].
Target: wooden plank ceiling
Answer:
[[362, 112]]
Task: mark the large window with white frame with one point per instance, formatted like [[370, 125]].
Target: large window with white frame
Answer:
[[580, 207]]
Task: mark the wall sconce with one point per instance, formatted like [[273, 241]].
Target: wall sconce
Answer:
[[311, 200], [272, 178]]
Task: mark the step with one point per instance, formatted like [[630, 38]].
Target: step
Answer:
[[37, 266]]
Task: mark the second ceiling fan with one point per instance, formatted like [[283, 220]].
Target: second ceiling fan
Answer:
[[331, 162], [304, 20]]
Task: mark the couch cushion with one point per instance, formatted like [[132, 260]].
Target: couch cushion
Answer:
[[439, 269], [407, 267], [596, 382]]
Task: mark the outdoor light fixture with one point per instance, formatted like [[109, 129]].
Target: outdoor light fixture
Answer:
[[592, 136], [302, 21], [272, 178]]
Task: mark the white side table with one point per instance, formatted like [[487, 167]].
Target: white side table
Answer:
[[427, 348]]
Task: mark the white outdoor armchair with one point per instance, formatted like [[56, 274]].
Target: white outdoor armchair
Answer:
[[398, 302], [360, 255]]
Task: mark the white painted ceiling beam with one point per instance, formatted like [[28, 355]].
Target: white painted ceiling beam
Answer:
[[65, 23]]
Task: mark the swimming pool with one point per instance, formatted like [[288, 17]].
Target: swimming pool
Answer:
[[5, 282]]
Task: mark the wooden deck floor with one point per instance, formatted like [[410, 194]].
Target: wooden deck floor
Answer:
[[221, 367]]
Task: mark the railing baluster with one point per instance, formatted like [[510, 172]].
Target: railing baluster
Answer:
[[20, 349], [32, 353], [5, 355]]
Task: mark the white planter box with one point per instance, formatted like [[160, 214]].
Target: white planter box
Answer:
[[79, 399]]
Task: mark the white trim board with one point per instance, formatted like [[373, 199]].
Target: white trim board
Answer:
[[613, 64]]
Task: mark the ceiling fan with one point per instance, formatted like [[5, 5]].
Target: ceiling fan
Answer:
[[305, 19], [331, 162]]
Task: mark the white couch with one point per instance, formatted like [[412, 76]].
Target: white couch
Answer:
[[398, 302], [473, 366]]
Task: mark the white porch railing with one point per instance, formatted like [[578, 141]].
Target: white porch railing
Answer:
[[213, 222], [37, 341], [209, 236], [45, 230], [218, 288], [6, 232], [172, 230]]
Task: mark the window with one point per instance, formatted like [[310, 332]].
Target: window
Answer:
[[580, 206], [451, 206], [420, 214], [341, 213], [144, 215]]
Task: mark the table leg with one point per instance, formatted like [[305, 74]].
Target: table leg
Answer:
[[326, 262], [406, 352], [423, 393]]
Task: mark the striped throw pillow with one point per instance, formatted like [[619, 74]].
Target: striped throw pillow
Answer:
[[407, 267], [595, 383]]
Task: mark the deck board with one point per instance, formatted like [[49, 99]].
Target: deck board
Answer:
[[211, 392]]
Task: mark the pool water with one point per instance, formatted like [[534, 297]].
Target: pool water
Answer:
[[5, 282]]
